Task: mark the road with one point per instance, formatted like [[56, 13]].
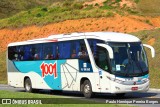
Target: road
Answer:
[[98, 97]]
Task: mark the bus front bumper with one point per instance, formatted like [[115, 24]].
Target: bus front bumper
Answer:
[[120, 88]]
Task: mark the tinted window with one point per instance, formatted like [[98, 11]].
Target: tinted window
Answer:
[[102, 58], [49, 51], [58, 50], [12, 53], [93, 45]]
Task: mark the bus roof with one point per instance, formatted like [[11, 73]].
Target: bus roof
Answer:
[[106, 36]]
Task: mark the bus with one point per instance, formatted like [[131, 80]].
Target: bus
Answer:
[[89, 62]]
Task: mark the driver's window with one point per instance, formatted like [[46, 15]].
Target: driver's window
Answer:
[[102, 58]]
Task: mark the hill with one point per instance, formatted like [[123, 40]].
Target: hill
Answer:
[[43, 19], [10, 7]]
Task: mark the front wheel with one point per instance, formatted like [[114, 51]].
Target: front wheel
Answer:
[[28, 85], [87, 89]]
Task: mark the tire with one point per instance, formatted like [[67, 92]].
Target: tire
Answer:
[[120, 94], [28, 85], [87, 89]]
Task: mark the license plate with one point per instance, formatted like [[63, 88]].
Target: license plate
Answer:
[[134, 88]]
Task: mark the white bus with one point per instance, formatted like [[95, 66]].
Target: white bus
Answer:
[[91, 62]]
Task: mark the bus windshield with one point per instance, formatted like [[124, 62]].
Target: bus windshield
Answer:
[[129, 59]]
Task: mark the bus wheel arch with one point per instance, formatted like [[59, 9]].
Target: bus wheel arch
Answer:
[[28, 84], [86, 87]]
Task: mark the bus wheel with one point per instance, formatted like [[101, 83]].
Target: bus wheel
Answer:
[[87, 89], [28, 85]]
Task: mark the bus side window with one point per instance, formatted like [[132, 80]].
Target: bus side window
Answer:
[[57, 52], [83, 53], [48, 51], [27, 53], [75, 47], [20, 53], [36, 51], [11, 53], [66, 51], [93, 46]]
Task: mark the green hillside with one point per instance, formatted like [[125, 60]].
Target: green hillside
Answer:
[[65, 10], [19, 13], [10, 7], [149, 7]]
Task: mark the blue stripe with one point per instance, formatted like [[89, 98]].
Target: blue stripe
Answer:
[[34, 66]]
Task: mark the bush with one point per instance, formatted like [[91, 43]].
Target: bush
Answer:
[[89, 7], [29, 12], [44, 9], [77, 5], [38, 15], [67, 3], [132, 11], [117, 1], [106, 7], [109, 14], [97, 4], [136, 1], [148, 22]]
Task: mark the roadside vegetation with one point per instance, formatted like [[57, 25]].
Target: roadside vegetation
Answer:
[[3, 73], [71, 102]]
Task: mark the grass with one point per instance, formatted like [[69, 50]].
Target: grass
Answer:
[[149, 7], [45, 15], [11, 7], [41, 13], [69, 105], [3, 73], [61, 11], [10, 94], [86, 103]]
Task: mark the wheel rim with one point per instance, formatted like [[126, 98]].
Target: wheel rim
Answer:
[[28, 86], [87, 88]]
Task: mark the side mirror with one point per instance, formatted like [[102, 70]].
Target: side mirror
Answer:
[[109, 49], [151, 48]]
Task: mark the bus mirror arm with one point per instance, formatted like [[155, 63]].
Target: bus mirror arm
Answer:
[[109, 49], [152, 49]]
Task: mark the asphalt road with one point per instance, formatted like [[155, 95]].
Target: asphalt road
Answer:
[[98, 97]]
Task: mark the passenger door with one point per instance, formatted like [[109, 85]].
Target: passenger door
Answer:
[[102, 61]]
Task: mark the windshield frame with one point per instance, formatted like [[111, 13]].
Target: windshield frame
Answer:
[[142, 73]]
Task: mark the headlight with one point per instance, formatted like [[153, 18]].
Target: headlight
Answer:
[[115, 80], [118, 81]]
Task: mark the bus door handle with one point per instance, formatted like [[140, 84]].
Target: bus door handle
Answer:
[[101, 77]]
